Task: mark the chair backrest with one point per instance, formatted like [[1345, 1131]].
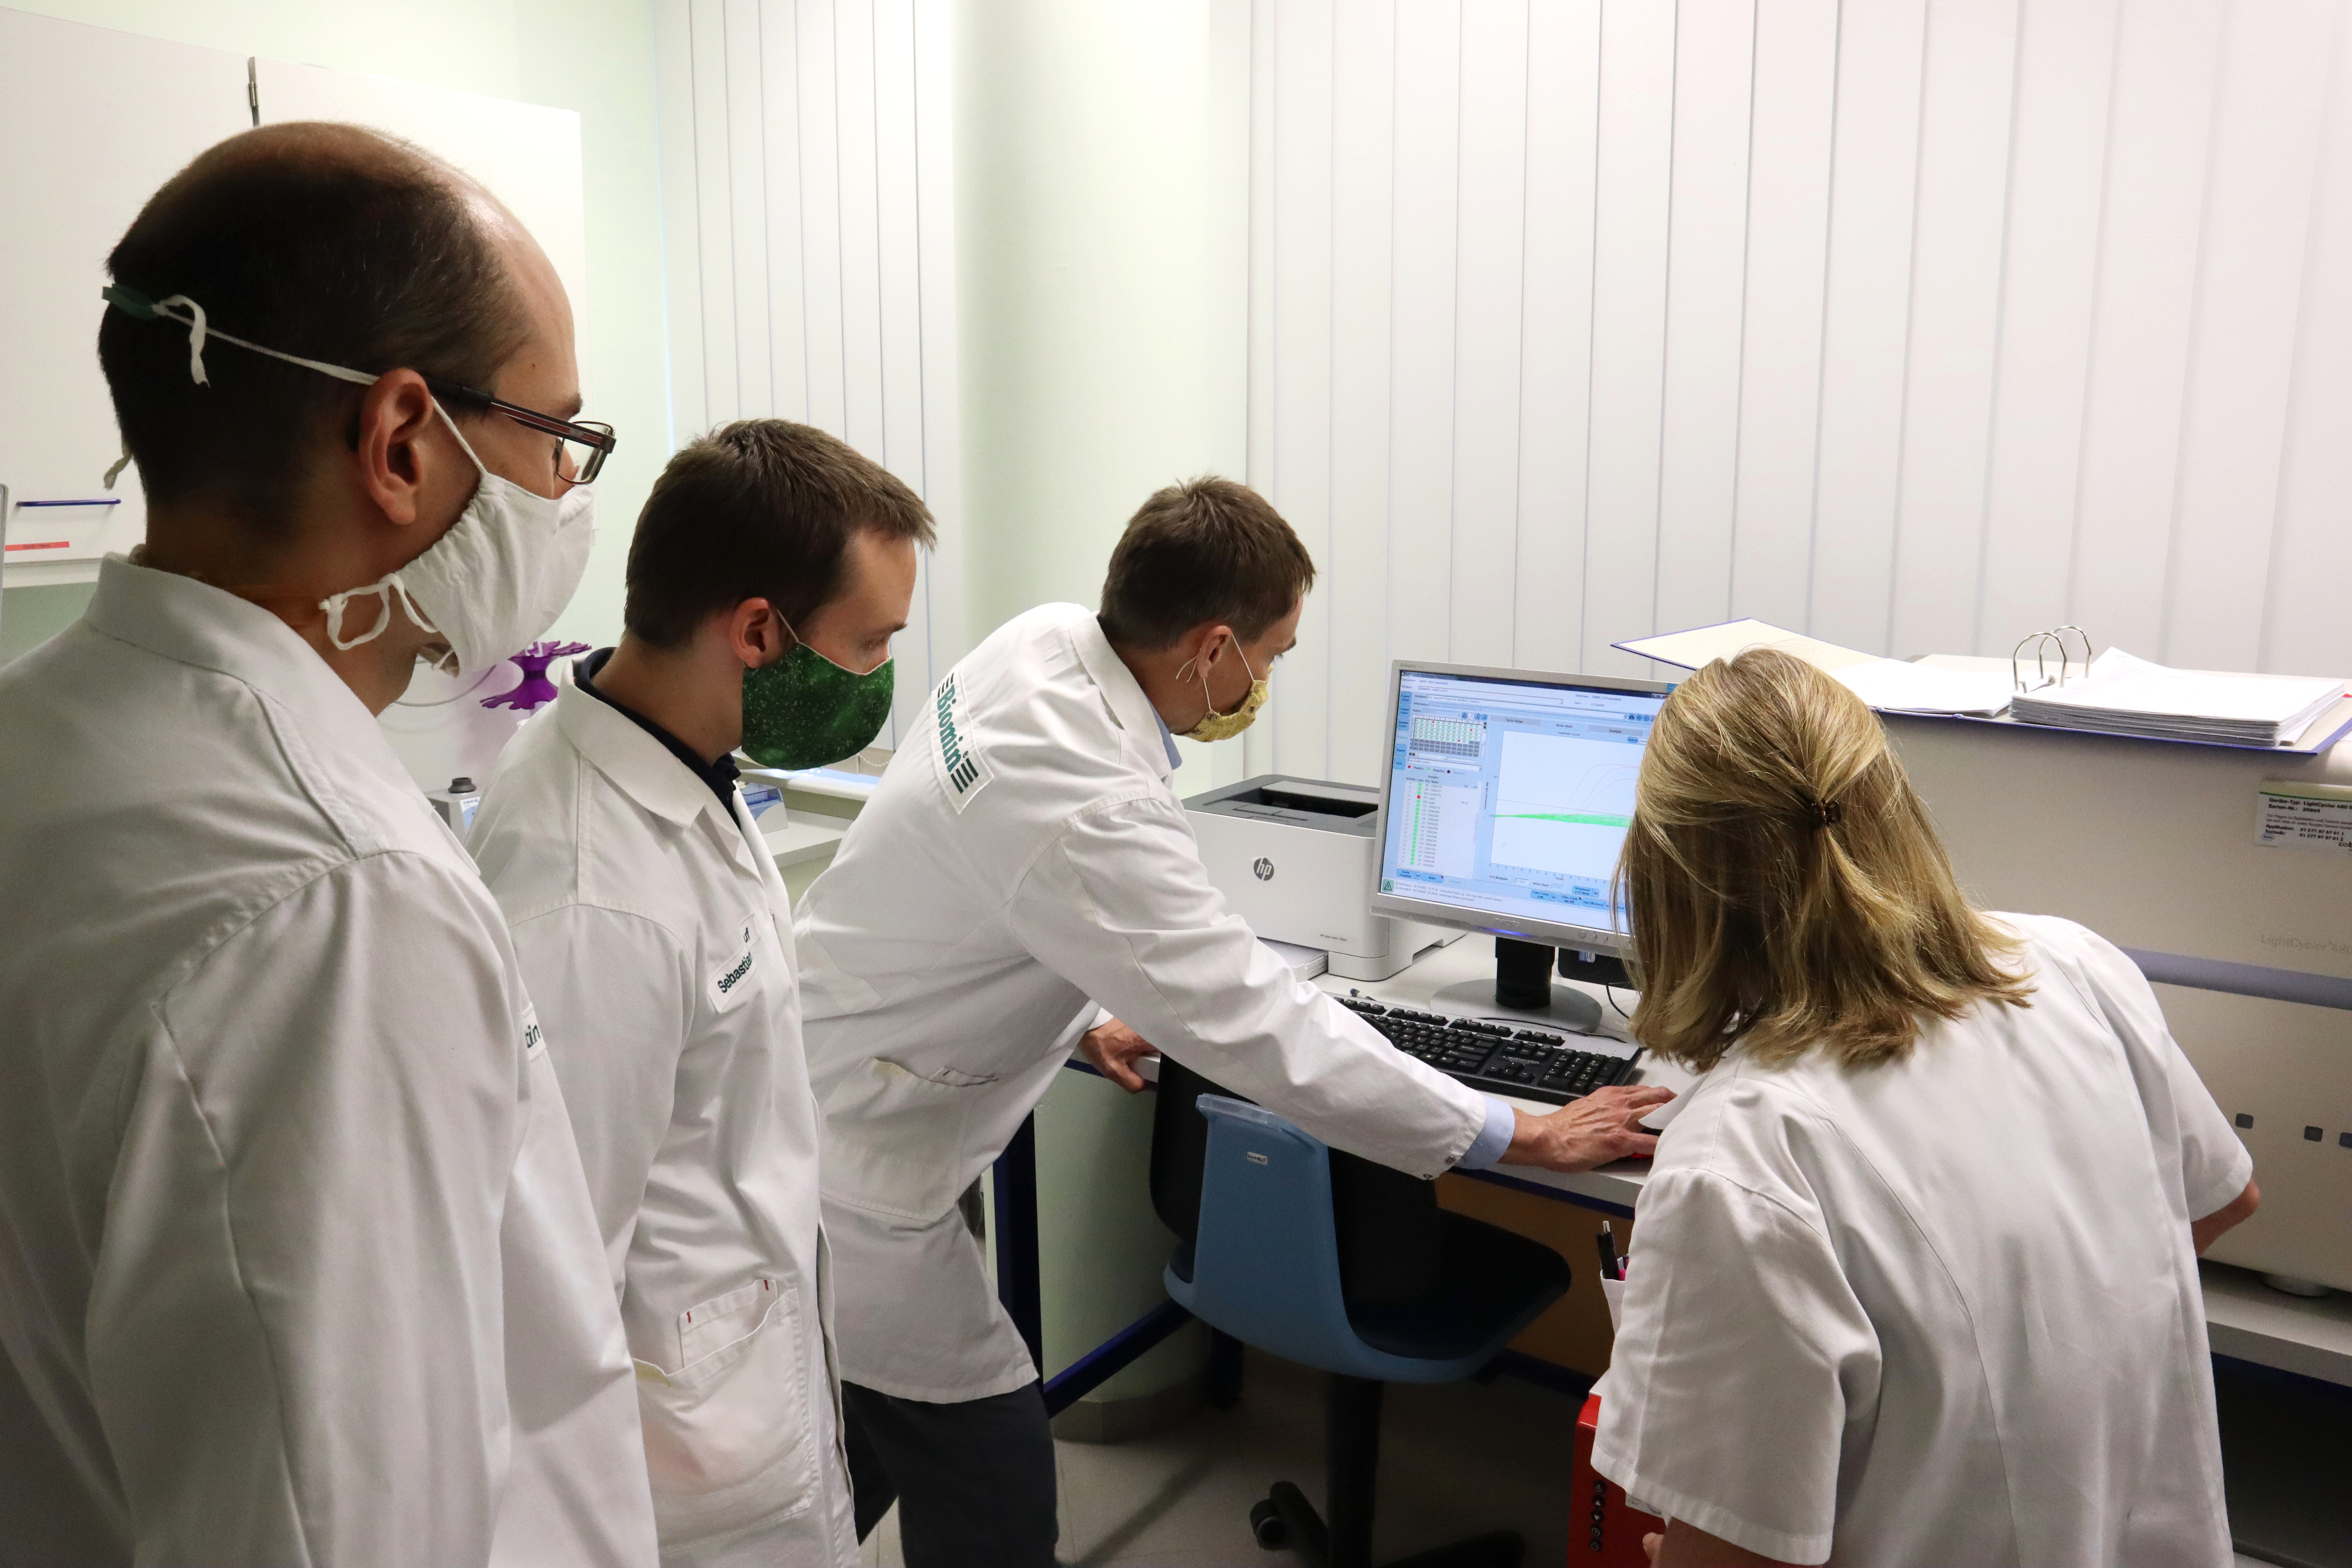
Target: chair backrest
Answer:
[[1179, 1146], [1390, 1251], [1265, 1267]]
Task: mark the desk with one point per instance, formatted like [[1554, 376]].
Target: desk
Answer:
[[2245, 1320]]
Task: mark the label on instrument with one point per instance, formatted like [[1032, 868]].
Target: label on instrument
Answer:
[[2303, 815]]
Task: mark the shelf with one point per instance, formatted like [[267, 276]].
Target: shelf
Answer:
[[2249, 1321], [799, 839]]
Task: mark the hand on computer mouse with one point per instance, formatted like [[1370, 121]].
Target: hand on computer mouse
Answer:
[[1589, 1131]]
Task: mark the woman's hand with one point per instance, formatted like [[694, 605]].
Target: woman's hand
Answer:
[[1589, 1131]]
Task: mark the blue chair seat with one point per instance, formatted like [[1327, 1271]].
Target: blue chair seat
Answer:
[[1263, 1265], [1487, 1276]]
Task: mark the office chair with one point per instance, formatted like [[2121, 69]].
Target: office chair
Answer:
[[1344, 1265]]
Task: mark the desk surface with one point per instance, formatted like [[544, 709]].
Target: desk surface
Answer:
[[2245, 1318]]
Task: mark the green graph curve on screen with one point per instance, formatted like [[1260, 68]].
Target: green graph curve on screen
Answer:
[[1593, 819]]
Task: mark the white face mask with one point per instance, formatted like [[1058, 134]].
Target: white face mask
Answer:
[[494, 582], [488, 588]]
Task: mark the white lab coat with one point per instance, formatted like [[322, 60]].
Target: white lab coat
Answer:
[[298, 1265], [1023, 854], [1945, 1310], [658, 947]]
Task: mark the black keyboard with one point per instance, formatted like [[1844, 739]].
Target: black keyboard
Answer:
[[1533, 1064]]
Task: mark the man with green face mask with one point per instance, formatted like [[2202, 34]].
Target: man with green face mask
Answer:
[[770, 568]]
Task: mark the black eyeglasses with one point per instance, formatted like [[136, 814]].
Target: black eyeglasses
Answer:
[[580, 446]]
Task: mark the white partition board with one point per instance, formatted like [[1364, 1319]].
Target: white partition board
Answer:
[[75, 168], [528, 156], [1915, 325]]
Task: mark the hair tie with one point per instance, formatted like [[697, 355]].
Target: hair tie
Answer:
[[1826, 812]]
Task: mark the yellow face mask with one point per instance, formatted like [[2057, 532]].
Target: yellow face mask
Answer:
[[1219, 726]]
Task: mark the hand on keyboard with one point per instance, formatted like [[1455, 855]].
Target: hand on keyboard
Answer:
[[1589, 1131]]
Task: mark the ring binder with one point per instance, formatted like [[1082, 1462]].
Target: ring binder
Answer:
[[2042, 640]]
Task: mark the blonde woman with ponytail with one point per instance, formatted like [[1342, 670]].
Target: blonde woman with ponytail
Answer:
[[1914, 1277]]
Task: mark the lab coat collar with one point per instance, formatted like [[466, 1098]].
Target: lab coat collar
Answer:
[[1125, 693], [639, 766], [193, 623]]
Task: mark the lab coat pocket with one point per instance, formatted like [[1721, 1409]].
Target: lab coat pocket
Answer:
[[894, 1140], [728, 1440]]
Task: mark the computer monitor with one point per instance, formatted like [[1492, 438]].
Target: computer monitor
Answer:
[[1507, 798]]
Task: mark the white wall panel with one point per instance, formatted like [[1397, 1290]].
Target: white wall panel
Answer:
[[1490, 252], [1912, 323], [1866, 322], [1355, 580], [860, 228], [780, 159], [818, 130], [2308, 629], [1960, 218], [1294, 462], [2258, 204], [744, 107], [2065, 58], [1632, 197], [2160, 131], [1426, 225], [1715, 50], [809, 197], [1793, 123], [1555, 366], [715, 155], [936, 635]]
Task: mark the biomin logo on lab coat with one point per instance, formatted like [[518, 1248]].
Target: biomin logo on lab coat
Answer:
[[963, 773]]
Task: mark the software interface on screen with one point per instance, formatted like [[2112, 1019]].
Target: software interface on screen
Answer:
[[1512, 797]]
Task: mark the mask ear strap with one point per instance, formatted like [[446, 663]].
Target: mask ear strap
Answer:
[[385, 587], [464, 444], [1185, 674]]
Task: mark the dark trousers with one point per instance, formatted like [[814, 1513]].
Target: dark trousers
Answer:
[[973, 1481]]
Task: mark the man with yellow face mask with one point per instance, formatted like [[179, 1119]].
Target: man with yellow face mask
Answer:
[[1024, 878]]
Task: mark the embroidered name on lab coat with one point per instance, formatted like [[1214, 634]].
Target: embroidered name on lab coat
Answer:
[[961, 769], [533, 1040]]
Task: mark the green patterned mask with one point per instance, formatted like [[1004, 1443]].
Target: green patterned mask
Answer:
[[805, 711]]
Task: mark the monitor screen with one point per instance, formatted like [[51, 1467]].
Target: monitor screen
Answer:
[[1508, 796]]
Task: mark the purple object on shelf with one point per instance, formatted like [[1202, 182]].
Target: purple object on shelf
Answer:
[[534, 689]]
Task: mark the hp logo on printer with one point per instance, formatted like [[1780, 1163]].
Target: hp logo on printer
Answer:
[[1264, 868]]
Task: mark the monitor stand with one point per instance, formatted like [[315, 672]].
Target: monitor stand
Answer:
[[1566, 1009], [1522, 988]]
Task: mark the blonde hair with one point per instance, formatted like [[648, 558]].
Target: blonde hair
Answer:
[[1788, 890]]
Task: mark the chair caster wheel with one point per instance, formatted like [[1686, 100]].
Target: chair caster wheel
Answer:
[[1266, 1524]]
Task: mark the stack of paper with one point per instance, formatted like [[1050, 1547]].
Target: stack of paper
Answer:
[[2127, 696], [1704, 644], [1889, 684], [1892, 686]]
